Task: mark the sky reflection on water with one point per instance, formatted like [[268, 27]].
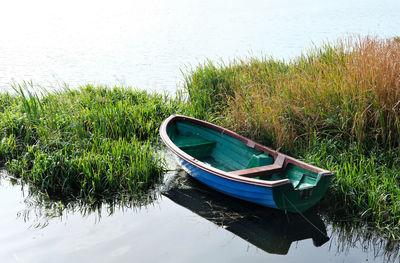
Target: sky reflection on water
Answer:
[[146, 43]]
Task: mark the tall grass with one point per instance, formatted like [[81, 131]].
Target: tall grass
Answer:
[[90, 143], [348, 89], [366, 188], [336, 106]]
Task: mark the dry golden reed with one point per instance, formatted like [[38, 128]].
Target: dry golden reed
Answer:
[[349, 89]]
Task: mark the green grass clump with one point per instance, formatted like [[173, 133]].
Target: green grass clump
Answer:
[[366, 188], [90, 143], [336, 106]]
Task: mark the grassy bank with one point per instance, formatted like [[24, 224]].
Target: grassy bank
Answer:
[[91, 143], [336, 106]]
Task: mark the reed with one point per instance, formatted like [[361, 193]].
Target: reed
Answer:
[[349, 89], [91, 143], [365, 190]]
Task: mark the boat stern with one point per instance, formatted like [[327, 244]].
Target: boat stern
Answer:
[[302, 194]]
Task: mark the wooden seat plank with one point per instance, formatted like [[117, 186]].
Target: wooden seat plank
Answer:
[[276, 167]]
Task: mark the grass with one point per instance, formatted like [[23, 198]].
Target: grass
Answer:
[[366, 189], [91, 143], [336, 106], [349, 89]]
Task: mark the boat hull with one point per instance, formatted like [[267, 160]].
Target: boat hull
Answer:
[[282, 197], [251, 193]]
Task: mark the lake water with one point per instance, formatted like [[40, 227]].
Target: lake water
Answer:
[[187, 223], [146, 44]]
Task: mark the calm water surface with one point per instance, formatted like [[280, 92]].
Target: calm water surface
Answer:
[[145, 44], [167, 230]]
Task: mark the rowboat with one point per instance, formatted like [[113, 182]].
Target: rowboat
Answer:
[[243, 168]]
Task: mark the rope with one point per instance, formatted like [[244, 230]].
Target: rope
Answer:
[[305, 218]]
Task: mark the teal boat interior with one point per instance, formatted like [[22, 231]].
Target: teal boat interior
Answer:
[[231, 155]]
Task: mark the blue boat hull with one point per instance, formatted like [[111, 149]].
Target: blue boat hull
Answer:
[[252, 193]]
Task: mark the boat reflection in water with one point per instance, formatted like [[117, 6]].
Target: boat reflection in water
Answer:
[[271, 230]]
